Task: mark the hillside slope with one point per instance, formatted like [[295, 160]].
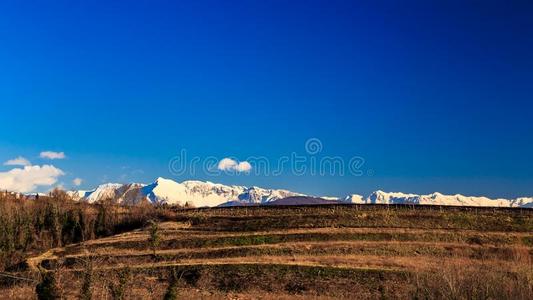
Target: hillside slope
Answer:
[[349, 252]]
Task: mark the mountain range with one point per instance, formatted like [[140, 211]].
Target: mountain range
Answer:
[[191, 193], [208, 194], [380, 197]]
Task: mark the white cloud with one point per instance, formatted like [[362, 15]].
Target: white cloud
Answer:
[[19, 161], [228, 164], [53, 155], [27, 179], [243, 166], [77, 181]]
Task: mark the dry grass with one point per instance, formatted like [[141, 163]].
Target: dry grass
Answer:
[[307, 253], [475, 282]]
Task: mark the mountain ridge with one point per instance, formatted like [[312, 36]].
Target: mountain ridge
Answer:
[[192, 192], [208, 194]]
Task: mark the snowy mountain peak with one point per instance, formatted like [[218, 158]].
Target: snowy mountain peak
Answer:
[[161, 180], [192, 192], [355, 199], [436, 195], [381, 197]]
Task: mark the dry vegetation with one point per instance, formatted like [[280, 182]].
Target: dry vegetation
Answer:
[[352, 252], [32, 226]]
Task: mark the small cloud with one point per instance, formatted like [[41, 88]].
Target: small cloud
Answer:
[[27, 179], [53, 155], [77, 181], [228, 164], [243, 166], [19, 161]]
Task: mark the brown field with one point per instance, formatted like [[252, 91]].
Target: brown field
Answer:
[[322, 252]]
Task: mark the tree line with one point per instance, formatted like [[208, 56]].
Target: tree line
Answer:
[[45, 222]]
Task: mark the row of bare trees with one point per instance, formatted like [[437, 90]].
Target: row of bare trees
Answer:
[[55, 221]]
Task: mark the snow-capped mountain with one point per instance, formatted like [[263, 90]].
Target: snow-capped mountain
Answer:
[[194, 193], [522, 202], [380, 197], [356, 199], [202, 194]]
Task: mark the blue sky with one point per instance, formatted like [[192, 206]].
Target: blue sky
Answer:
[[434, 96]]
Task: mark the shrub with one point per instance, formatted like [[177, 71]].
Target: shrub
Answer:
[[118, 289], [172, 290], [86, 288], [47, 289], [154, 237]]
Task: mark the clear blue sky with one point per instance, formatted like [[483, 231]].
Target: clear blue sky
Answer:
[[434, 95]]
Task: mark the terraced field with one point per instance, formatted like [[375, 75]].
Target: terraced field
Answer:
[[355, 252]]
